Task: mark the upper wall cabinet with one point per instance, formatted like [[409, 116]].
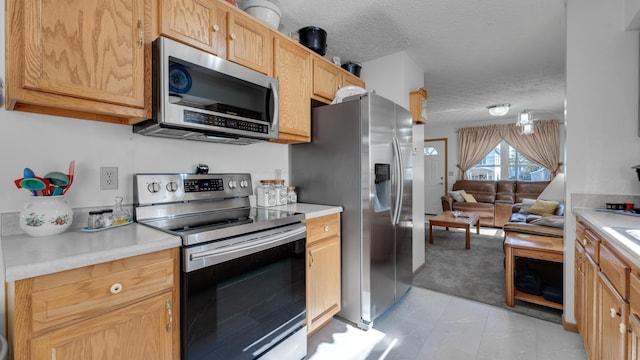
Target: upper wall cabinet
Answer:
[[350, 79], [199, 23], [292, 68], [327, 79], [86, 59], [249, 42]]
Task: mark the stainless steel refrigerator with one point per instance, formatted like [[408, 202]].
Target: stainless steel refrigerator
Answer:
[[360, 158]]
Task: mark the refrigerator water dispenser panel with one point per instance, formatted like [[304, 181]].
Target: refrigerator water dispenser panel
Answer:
[[383, 172], [382, 193]]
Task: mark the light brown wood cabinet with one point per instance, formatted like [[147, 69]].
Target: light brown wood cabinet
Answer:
[[292, 68], [613, 316], [327, 79], [123, 309], [350, 79], [199, 23], [84, 59], [323, 270], [249, 42]]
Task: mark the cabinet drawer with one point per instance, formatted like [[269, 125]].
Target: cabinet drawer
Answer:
[[580, 228], [322, 227], [591, 244], [634, 292], [616, 271], [92, 290]]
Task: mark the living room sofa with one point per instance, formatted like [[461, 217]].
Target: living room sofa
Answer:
[[521, 221], [494, 198]]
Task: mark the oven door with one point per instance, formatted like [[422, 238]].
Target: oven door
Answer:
[[243, 296]]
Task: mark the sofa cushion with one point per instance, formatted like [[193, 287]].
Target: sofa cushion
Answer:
[[469, 198], [526, 204], [529, 189], [506, 191], [533, 229], [484, 191], [543, 207], [457, 195], [553, 221]]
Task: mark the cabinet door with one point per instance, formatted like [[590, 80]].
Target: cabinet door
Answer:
[[323, 282], [86, 49], [327, 79], [292, 68], [348, 79], [249, 43], [590, 306], [613, 319], [140, 331], [579, 292], [199, 23], [634, 337]]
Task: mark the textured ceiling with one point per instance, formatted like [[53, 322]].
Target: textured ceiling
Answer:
[[474, 53]]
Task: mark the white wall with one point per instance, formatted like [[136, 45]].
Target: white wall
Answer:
[[602, 111], [393, 77]]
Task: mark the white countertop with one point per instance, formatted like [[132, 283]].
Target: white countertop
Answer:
[[26, 256], [310, 211], [605, 222]]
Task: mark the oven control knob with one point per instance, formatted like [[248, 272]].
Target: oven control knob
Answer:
[[172, 186], [153, 187], [232, 184], [244, 183]]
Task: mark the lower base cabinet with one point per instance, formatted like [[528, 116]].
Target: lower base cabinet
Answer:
[[323, 270], [122, 309]]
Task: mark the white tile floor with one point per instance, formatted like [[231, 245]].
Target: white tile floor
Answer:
[[429, 325]]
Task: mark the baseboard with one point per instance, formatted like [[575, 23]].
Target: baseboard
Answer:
[[569, 326], [419, 269]]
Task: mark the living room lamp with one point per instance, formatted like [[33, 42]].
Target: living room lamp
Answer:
[[555, 190], [525, 120], [499, 110]]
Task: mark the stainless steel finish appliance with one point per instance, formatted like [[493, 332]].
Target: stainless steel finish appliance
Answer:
[[242, 285], [360, 158], [199, 96]]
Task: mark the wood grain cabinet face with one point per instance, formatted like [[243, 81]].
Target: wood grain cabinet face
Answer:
[[82, 58], [352, 80], [292, 68], [323, 270], [249, 42], [634, 337], [123, 309], [199, 23], [613, 318], [327, 79]]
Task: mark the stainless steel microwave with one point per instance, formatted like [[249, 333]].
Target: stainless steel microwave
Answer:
[[199, 96]]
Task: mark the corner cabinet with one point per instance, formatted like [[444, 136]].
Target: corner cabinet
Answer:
[[123, 309], [292, 68], [323, 270], [86, 59]]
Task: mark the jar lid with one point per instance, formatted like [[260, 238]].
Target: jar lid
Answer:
[[95, 212], [291, 187], [279, 181], [107, 210]]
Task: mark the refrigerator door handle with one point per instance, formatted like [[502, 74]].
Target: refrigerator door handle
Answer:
[[398, 181]]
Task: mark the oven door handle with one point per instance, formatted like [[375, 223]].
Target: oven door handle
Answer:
[[245, 249]]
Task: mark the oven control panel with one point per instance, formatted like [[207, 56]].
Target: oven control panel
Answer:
[[168, 188]]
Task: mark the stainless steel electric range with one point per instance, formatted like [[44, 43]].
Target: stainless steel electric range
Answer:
[[243, 268]]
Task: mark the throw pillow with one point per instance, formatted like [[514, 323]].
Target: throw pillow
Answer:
[[543, 207], [553, 221], [469, 198], [526, 204], [457, 195]]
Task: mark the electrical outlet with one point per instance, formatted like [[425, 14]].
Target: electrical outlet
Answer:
[[108, 178]]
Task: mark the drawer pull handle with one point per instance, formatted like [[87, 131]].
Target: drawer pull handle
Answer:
[[310, 259], [116, 288], [613, 312], [170, 323], [326, 228], [140, 34]]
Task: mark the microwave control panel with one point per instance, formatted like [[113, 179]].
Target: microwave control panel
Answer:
[[221, 121]]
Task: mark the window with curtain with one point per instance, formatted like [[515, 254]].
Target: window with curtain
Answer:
[[504, 162]]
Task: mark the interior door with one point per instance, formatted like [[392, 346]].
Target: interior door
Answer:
[[435, 174]]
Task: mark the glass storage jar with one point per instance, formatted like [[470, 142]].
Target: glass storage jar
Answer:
[[281, 192], [120, 214], [266, 194], [292, 197]]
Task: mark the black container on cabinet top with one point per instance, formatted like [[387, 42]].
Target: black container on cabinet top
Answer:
[[314, 38]]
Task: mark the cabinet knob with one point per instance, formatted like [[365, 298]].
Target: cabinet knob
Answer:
[[115, 288], [584, 242], [613, 312], [233, 36], [622, 328], [326, 228], [216, 27]]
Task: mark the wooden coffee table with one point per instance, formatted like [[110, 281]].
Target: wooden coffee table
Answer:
[[447, 220]]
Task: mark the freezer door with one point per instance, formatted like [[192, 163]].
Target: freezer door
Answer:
[[379, 239], [404, 227]]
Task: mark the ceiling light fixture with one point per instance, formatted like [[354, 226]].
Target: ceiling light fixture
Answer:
[[525, 120], [499, 109]]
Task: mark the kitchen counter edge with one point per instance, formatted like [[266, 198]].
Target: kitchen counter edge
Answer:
[[311, 211], [26, 256], [604, 222]]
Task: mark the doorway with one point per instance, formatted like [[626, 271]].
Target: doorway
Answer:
[[435, 174]]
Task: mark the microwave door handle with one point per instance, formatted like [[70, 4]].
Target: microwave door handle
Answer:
[[274, 96]]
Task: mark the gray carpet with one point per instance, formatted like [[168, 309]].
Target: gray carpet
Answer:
[[476, 274]]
